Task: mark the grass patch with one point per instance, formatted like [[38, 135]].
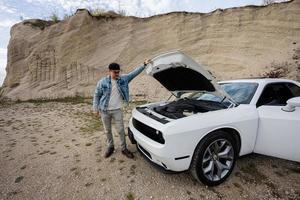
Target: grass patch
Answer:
[[72, 100], [92, 123], [129, 196]]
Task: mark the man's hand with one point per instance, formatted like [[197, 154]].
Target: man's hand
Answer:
[[147, 61]]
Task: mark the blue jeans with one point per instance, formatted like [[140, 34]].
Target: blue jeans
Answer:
[[117, 116]]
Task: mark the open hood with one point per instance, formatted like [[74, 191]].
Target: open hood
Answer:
[[179, 73]]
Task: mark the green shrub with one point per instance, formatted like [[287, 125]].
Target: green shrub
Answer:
[[54, 17], [101, 13]]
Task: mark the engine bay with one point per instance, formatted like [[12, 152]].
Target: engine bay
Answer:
[[184, 107]]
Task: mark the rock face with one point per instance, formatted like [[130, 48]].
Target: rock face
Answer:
[[52, 60]]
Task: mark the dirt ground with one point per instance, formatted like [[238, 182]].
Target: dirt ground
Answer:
[[52, 150]]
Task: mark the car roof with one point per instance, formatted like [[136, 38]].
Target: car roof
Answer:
[[259, 80]]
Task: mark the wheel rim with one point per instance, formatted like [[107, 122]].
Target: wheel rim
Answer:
[[217, 160]]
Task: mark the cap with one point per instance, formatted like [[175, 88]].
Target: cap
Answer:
[[114, 66]]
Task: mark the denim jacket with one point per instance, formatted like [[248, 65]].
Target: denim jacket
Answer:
[[103, 89]]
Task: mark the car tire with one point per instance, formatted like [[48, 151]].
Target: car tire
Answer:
[[214, 158]]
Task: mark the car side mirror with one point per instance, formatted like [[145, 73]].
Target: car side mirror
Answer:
[[291, 104]]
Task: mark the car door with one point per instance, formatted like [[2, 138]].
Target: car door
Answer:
[[278, 131]]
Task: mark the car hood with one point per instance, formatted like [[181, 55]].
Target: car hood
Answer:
[[179, 73]]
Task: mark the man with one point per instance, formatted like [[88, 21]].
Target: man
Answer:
[[109, 95]]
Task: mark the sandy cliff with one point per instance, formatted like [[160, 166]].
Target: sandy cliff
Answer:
[[50, 60]]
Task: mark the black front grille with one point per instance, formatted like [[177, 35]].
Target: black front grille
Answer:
[[148, 131]]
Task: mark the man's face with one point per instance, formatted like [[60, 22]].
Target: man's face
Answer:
[[114, 74]]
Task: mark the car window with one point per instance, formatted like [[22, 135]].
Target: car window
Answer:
[[275, 94], [240, 92], [295, 90]]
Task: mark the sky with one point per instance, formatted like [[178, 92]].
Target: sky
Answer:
[[14, 11]]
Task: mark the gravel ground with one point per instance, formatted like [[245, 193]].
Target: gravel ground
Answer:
[[55, 151]]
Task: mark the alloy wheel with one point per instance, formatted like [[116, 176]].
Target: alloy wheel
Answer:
[[217, 159]]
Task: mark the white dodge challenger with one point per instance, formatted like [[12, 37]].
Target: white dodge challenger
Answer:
[[210, 124]]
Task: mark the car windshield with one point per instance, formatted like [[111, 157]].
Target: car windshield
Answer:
[[240, 92]]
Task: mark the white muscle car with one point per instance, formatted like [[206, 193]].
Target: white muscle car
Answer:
[[210, 124]]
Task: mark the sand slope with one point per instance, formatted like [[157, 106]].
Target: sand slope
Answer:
[[55, 151]]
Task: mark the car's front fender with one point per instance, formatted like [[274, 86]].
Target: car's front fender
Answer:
[[186, 133]]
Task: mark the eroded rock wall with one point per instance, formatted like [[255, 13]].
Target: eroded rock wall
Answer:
[[53, 60]]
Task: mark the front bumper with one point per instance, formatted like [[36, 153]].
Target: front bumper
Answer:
[[163, 155]]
